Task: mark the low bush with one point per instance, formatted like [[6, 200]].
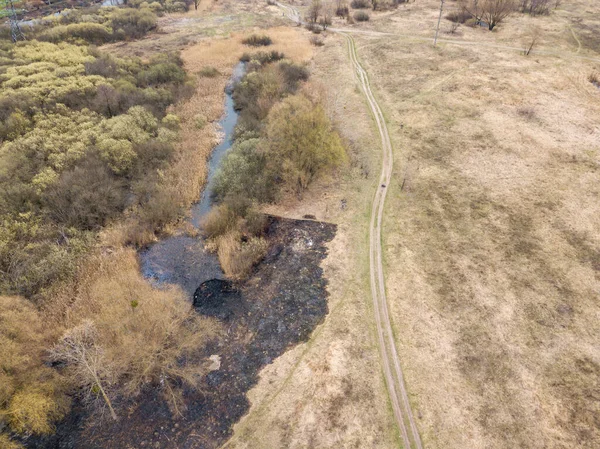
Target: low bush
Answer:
[[85, 197], [361, 16], [262, 57], [133, 23], [208, 72], [460, 16], [360, 4], [317, 41], [94, 33], [342, 11], [293, 75], [256, 40], [595, 79]]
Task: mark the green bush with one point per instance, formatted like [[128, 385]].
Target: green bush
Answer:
[[301, 141], [161, 73], [244, 174]]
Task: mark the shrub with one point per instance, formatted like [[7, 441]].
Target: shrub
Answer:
[[94, 33], [134, 23], [360, 4], [160, 210], [595, 79], [316, 41], [244, 174], [293, 74], [361, 16], [104, 65], [263, 57], [85, 197], [256, 40], [302, 142], [460, 16], [209, 72], [342, 11], [161, 73]]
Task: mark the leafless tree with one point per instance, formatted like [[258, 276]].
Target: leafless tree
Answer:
[[535, 7], [326, 18], [492, 12], [533, 36], [314, 11], [79, 350], [196, 4]]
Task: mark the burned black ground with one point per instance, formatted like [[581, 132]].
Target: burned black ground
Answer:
[[278, 307]]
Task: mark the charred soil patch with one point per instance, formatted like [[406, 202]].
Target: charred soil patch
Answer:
[[277, 307]]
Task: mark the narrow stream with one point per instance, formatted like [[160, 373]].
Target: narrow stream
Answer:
[[180, 259]]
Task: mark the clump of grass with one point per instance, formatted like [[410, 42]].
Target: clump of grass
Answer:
[[238, 257], [361, 16], [526, 112], [256, 40], [199, 121], [317, 41], [595, 79], [208, 72], [219, 221], [263, 57]]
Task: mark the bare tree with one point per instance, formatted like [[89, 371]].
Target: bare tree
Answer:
[[492, 12], [196, 4], [79, 350], [314, 11], [533, 36], [495, 11], [326, 18]]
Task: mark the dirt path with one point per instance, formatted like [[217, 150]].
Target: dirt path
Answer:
[[389, 355]]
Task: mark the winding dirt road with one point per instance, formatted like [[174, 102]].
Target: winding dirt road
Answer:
[[387, 346], [394, 377]]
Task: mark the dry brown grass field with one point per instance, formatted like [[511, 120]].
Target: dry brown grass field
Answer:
[[491, 233], [490, 241]]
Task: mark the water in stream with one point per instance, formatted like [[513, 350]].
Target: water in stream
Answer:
[[180, 259]]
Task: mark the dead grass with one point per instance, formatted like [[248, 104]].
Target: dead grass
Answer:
[[491, 231]]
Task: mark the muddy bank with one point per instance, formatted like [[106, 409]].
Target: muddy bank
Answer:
[[277, 307]]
